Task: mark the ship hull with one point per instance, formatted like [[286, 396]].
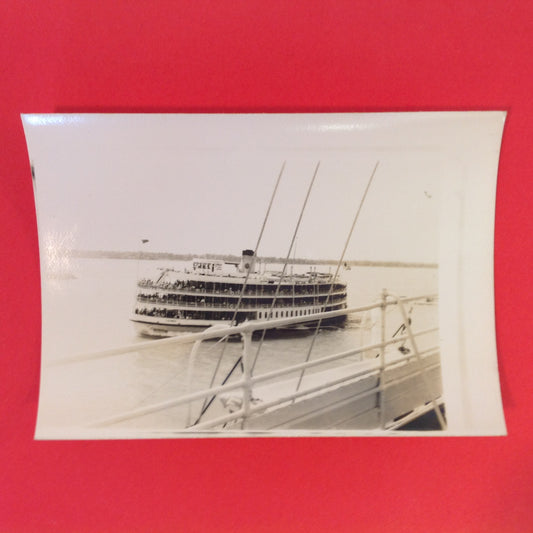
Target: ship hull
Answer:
[[163, 328]]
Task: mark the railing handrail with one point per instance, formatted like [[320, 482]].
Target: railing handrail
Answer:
[[373, 365], [237, 294], [236, 415], [335, 357], [219, 305], [287, 282], [247, 382], [245, 327]]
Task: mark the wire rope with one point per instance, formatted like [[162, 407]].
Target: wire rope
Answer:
[[339, 263], [207, 403]]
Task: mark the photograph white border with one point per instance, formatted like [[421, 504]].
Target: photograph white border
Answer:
[[466, 281]]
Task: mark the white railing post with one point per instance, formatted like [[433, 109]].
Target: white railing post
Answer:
[[412, 340], [247, 375], [190, 369]]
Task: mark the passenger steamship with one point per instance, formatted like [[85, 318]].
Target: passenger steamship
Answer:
[[211, 292]]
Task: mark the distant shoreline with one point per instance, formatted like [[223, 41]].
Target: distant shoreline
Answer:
[[162, 256]]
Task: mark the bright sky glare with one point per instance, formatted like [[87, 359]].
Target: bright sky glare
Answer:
[[202, 183]]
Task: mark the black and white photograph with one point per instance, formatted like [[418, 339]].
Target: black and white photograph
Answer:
[[248, 275]]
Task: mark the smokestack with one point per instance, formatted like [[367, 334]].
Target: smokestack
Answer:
[[247, 261]]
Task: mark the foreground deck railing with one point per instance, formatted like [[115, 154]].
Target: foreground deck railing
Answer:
[[245, 385]]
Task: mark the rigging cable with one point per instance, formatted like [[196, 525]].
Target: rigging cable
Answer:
[[337, 272], [276, 294], [204, 409], [207, 403]]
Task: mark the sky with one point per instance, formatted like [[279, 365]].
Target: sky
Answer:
[[202, 183]]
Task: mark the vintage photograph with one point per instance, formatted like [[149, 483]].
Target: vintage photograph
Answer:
[[266, 275]]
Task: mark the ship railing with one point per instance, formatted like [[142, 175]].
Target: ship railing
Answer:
[[245, 385], [227, 305], [287, 283], [236, 293]]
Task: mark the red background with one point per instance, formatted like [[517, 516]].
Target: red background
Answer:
[[277, 56]]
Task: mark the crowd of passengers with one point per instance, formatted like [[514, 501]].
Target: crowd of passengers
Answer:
[[186, 285], [177, 299], [187, 315]]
